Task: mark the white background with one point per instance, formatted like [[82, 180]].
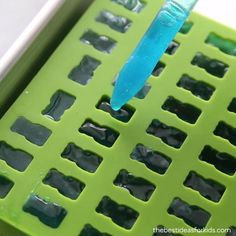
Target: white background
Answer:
[[15, 15]]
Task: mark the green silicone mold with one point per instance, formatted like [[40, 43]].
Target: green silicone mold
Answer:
[[71, 166]]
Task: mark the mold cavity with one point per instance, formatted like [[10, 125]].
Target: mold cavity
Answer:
[[48, 213], [225, 45], [153, 160], [186, 27], [84, 159], [120, 214], [5, 186], [100, 42], [160, 66], [169, 135], [144, 91], [134, 5], [35, 133], [124, 114], [192, 215], [212, 66], [221, 160], [162, 230], [232, 106], [66, 185], [232, 231], [59, 103], [184, 111], [118, 23], [225, 131], [84, 72], [137, 186], [15, 158], [172, 48], [89, 230], [197, 88], [102, 134], [208, 188]]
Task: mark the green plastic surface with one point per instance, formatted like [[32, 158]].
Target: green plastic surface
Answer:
[[54, 76]]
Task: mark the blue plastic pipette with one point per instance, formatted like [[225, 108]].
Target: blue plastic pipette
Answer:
[[154, 43]]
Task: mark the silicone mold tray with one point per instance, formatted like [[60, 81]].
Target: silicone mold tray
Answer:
[[69, 165]]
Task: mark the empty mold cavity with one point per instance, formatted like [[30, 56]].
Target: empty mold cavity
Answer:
[[184, 111], [120, 214], [212, 66], [232, 106], [66, 185], [84, 72], [100, 42], [192, 215], [221, 160], [143, 92], [197, 88], [225, 45], [48, 213], [137, 186], [232, 231], [226, 131], [84, 159], [102, 134], [116, 22], [186, 27], [5, 186], [153, 160], [89, 230], [59, 103], [35, 133], [133, 5], [208, 188], [161, 230], [160, 66], [124, 114], [169, 135], [15, 158], [172, 48]]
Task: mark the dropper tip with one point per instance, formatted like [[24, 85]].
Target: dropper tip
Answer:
[[115, 105]]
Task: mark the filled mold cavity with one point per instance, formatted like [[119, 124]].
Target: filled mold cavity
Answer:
[[232, 106], [116, 22], [122, 215], [59, 103], [143, 92], [172, 48], [137, 186], [198, 88], [48, 213], [208, 188], [100, 42], [187, 26], [101, 134], [184, 111], [212, 66], [89, 230], [66, 185], [192, 215], [15, 158], [5, 186], [169, 135], [220, 160], [35, 133], [232, 231], [134, 5], [84, 159], [124, 114], [153, 160], [227, 46], [84, 72], [225, 131], [160, 66]]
